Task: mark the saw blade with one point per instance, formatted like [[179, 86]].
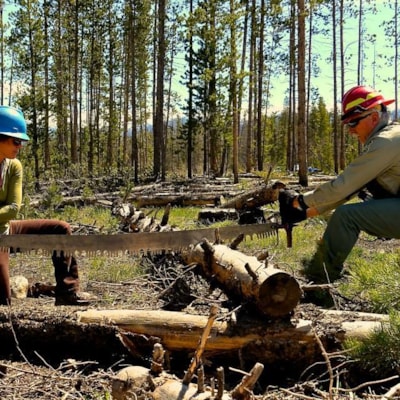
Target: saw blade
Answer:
[[136, 243]]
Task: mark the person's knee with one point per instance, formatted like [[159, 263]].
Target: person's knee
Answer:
[[67, 227], [63, 227], [342, 212], [344, 215]]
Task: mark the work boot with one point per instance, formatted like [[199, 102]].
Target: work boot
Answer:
[[74, 299]]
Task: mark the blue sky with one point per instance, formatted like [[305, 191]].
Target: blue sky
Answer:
[[371, 76]]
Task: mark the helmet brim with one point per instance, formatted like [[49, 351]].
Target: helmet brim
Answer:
[[357, 111], [17, 135]]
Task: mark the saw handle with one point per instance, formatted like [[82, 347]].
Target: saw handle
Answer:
[[288, 227]]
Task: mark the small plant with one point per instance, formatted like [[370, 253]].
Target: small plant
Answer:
[[379, 354], [53, 197], [87, 192]]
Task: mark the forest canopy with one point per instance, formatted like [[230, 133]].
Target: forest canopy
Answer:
[[162, 88]]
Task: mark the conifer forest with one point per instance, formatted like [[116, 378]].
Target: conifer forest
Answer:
[[157, 89]]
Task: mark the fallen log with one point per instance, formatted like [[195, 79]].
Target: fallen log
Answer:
[[57, 333], [292, 342], [275, 293], [209, 215], [181, 200], [265, 194], [129, 381], [134, 220], [175, 390]]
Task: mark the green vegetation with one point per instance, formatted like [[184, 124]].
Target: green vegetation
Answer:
[[379, 354], [375, 278]]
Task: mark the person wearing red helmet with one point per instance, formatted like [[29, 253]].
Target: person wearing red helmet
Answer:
[[375, 174], [13, 134]]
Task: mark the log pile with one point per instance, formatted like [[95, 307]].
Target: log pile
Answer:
[[263, 194], [133, 381], [134, 220]]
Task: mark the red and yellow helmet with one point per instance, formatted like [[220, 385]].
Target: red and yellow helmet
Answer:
[[359, 99]]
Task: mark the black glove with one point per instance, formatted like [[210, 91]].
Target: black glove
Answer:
[[290, 214]]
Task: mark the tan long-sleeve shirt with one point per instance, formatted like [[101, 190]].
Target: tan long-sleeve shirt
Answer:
[[380, 160]]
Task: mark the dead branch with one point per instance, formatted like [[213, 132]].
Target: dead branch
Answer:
[[196, 359], [245, 387]]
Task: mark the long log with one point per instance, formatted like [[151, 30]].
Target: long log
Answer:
[[293, 342], [182, 200], [275, 293], [62, 332], [265, 194]]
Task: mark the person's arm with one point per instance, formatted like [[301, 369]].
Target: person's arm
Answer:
[[13, 192], [380, 155]]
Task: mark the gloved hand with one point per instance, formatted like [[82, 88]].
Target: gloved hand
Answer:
[[289, 214]]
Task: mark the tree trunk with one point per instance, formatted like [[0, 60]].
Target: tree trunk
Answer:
[[159, 133], [260, 132], [75, 83], [249, 128], [104, 335], [342, 157], [233, 94], [191, 111], [301, 104], [336, 141]]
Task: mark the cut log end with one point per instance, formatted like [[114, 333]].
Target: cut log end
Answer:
[[279, 294]]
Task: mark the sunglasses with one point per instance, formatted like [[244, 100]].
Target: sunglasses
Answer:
[[17, 142], [356, 121]]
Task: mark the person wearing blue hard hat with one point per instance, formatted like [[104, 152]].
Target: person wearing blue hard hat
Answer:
[[13, 134]]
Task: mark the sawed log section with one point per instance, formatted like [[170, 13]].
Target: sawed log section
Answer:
[[275, 293]]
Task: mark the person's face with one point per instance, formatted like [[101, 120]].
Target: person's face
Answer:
[[363, 125], [9, 148]]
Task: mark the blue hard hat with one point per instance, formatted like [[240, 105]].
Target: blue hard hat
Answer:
[[12, 123]]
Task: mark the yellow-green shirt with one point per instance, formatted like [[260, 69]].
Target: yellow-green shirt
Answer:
[[10, 192]]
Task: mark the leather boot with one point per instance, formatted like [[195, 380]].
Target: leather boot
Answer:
[[74, 299], [67, 282]]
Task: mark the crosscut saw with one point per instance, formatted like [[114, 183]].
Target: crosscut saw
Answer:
[[134, 243]]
